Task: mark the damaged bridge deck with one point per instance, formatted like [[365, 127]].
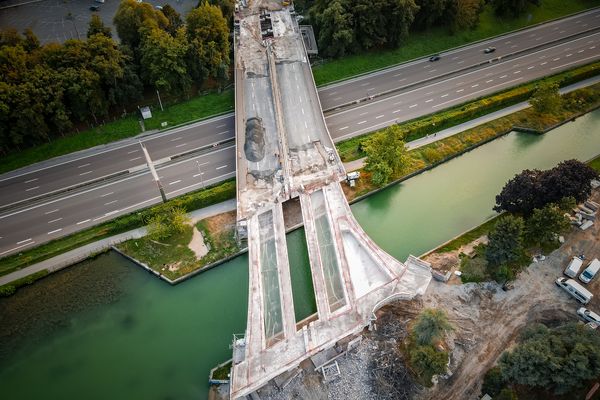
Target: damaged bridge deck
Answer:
[[284, 151]]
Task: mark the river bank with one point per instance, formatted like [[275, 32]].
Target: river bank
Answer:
[[421, 159], [107, 329]]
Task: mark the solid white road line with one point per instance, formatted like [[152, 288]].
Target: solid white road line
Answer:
[[16, 248]]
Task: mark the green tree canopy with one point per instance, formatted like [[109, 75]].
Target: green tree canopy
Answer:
[[163, 60], [558, 359], [512, 8], [336, 34], [505, 241], [386, 155], [208, 37], [545, 223], [132, 16], [96, 26], [546, 99]]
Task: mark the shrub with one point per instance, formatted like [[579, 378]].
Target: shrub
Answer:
[[430, 326]]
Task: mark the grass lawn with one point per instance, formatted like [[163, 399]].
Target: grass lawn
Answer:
[[420, 44], [595, 163], [196, 108], [173, 258]]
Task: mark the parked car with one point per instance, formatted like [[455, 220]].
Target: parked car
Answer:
[[99, 1], [573, 268], [589, 316], [434, 57], [489, 50], [577, 291], [95, 8], [590, 272], [158, 8]]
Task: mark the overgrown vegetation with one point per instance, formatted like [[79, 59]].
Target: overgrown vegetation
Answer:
[[552, 361], [189, 202], [422, 41], [425, 347], [10, 288], [222, 373], [353, 149], [173, 255]]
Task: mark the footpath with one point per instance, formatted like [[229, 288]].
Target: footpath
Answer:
[[81, 253], [415, 144], [71, 257]]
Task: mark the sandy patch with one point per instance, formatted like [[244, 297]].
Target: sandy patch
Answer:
[[197, 244]]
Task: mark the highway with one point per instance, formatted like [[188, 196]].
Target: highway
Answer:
[[57, 216], [35, 183]]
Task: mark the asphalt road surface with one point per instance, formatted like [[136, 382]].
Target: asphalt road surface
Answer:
[[54, 217], [37, 183]]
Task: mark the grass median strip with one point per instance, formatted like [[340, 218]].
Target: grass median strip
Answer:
[[420, 44], [198, 107], [574, 103]]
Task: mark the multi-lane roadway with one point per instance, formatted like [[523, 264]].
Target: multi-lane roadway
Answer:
[[51, 217]]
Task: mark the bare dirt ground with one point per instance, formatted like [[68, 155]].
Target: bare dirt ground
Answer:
[[197, 244], [487, 321]]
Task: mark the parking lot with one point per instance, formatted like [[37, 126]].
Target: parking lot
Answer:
[[60, 20]]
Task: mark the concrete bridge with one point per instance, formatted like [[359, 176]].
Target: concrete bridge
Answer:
[[284, 151]]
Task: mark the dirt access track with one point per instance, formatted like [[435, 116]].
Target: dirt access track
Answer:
[[488, 319]]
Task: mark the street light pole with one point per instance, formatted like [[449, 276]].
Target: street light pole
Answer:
[[159, 102], [154, 174], [201, 174]]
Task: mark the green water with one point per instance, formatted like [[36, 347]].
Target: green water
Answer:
[[105, 329]]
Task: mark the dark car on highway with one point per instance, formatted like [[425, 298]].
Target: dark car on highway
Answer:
[[94, 8], [434, 57], [489, 50]]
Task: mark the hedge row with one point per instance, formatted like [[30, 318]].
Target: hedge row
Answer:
[[352, 149], [192, 201]]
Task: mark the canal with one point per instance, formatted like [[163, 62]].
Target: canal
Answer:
[[105, 329]]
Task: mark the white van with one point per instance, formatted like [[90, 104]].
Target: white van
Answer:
[[592, 269], [573, 268], [580, 293]]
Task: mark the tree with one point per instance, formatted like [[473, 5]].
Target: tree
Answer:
[[512, 8], [430, 12], [175, 21], [386, 155], [521, 194], [493, 382], [545, 224], [427, 361], [560, 359], [163, 60], [208, 36], [30, 41], [463, 14], [570, 178], [336, 36], [178, 219], [132, 16], [430, 326], [546, 99], [505, 241], [97, 26], [158, 228]]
